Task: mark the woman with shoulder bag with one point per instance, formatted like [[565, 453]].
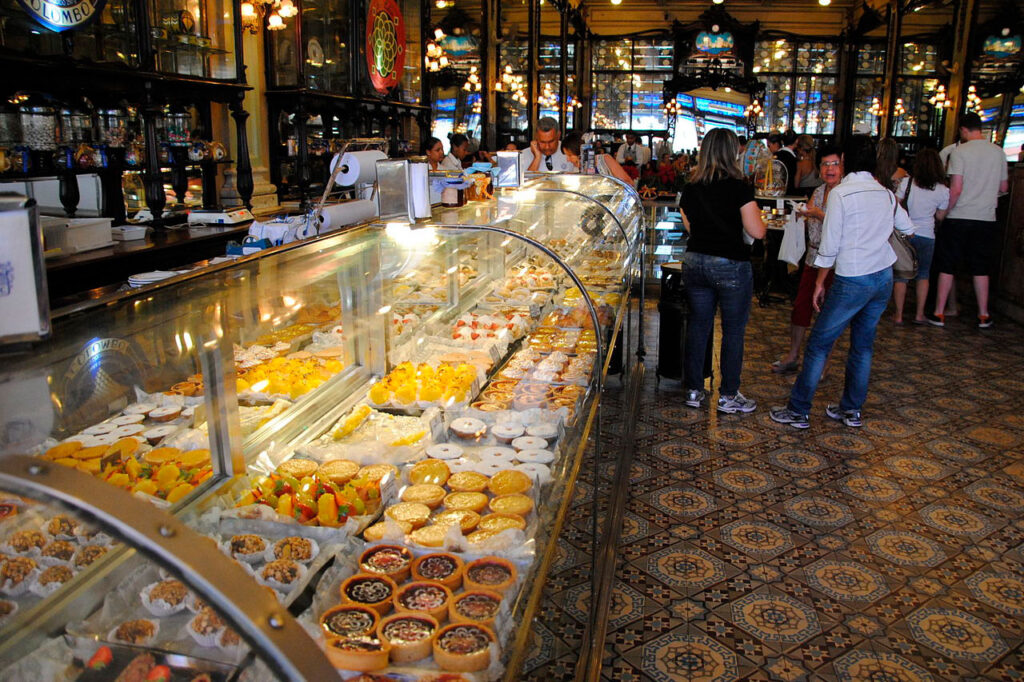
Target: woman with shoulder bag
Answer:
[[925, 197], [719, 211]]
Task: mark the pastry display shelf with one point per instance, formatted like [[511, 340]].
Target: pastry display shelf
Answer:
[[190, 323]]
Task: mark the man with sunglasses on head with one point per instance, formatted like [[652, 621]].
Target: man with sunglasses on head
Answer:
[[545, 152]]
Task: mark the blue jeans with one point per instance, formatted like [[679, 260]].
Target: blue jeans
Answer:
[[711, 281], [857, 303]]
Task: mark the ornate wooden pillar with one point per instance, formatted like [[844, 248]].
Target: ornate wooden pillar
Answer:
[[152, 177], [243, 165], [533, 77], [892, 66], [966, 17]]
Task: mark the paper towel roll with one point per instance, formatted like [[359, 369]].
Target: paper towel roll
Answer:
[[348, 213], [357, 167]]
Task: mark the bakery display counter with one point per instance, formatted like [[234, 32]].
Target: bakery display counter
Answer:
[[379, 430]]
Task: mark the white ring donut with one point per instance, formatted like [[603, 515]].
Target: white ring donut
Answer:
[[529, 443], [444, 451], [539, 456]]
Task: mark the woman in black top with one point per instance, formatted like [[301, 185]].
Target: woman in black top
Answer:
[[719, 211]]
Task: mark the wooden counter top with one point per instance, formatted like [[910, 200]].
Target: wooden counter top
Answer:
[[160, 250]]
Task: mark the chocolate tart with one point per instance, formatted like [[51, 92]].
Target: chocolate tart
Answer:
[[489, 573], [349, 620], [367, 589], [463, 647], [424, 596], [358, 653], [411, 635], [439, 567], [475, 606], [393, 561]]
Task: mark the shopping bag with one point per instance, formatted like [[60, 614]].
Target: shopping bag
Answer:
[[793, 242]]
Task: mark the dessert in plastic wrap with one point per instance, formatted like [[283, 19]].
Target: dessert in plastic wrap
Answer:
[[413, 387]]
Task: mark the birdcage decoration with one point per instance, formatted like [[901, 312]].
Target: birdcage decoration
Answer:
[[771, 178]]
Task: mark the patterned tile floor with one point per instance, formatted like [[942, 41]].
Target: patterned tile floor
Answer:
[[751, 550]]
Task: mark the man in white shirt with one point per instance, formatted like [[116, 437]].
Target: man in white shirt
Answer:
[[859, 217], [632, 150], [970, 233], [545, 152]]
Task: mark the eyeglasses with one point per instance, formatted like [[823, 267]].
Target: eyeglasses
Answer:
[[831, 163], [548, 163]]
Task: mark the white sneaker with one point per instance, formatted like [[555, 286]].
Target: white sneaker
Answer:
[[695, 398], [737, 403]]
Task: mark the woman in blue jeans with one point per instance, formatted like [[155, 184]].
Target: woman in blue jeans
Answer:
[[719, 211], [859, 218]]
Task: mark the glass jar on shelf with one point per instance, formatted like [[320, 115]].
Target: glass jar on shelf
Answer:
[[39, 128]]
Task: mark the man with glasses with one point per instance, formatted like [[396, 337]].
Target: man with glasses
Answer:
[[545, 152]]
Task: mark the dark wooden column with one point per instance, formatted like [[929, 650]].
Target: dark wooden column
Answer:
[[533, 77], [563, 66], [892, 66], [243, 165], [152, 177], [966, 17]]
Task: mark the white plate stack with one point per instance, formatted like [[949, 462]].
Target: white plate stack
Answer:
[[144, 278]]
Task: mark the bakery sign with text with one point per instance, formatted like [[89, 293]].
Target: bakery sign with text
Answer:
[[63, 15]]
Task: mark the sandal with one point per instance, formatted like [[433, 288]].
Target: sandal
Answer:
[[780, 367]]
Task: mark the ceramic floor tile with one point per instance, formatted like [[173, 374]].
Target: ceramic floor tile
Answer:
[[754, 551]]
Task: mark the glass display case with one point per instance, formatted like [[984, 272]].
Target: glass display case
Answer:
[[339, 415]]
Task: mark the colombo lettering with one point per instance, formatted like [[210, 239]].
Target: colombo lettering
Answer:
[[62, 15]]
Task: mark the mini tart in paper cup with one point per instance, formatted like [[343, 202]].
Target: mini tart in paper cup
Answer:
[[463, 647], [516, 503], [495, 522], [282, 574], [490, 573], [62, 527], [7, 609], [423, 596], [377, 531], [467, 482], [439, 567], [51, 579], [471, 501], [362, 654], [25, 543], [57, 553], [429, 536], [294, 547], [465, 519], [425, 493], [140, 632], [17, 574], [413, 513], [508, 482], [393, 561], [229, 641], [367, 589], [433, 471], [194, 603], [410, 635], [165, 598], [475, 606], [206, 627], [247, 547], [349, 620]]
